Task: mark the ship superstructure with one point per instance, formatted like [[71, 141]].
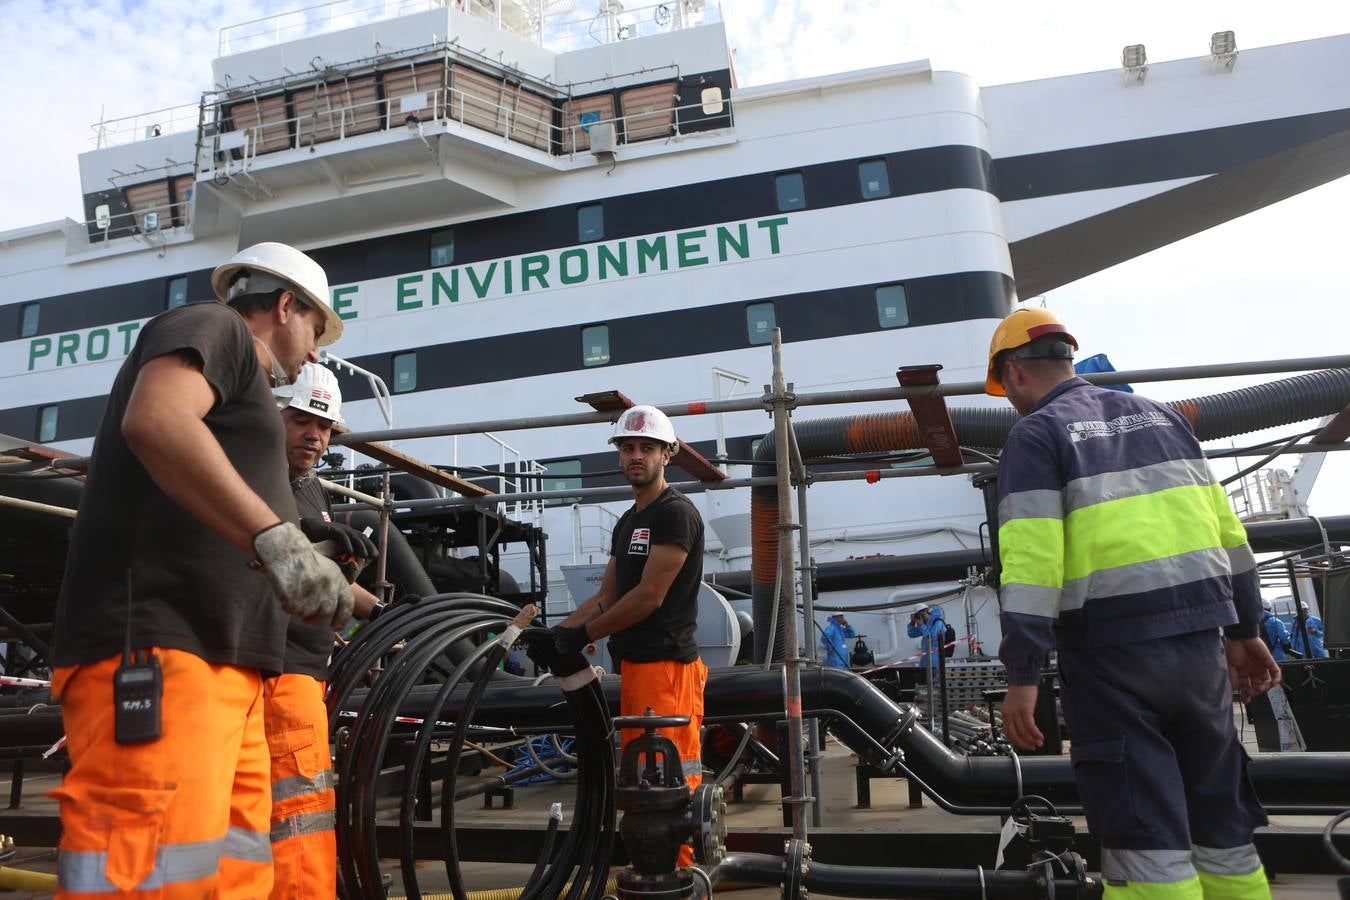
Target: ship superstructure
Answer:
[[520, 204]]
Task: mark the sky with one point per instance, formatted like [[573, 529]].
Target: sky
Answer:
[[1272, 284]]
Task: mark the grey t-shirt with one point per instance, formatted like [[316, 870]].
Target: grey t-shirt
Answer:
[[191, 589]]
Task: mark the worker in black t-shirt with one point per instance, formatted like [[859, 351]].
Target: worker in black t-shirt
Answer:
[[186, 549], [304, 843], [648, 599]]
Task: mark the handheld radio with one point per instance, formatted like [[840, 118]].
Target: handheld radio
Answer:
[[138, 690]]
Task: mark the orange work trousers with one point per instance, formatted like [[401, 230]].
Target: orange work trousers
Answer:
[[669, 688], [304, 844], [182, 816]]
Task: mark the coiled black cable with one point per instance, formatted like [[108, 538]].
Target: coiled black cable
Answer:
[[411, 643]]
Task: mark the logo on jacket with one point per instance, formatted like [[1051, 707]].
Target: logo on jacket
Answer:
[[1082, 431], [639, 543]]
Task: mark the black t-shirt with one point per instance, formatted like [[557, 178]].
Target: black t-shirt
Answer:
[[191, 589], [667, 633], [308, 646]]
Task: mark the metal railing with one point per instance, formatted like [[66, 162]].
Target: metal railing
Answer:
[[510, 462], [560, 31], [132, 223], [439, 103], [146, 125], [321, 18]]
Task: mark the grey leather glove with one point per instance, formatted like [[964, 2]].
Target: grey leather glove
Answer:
[[310, 586]]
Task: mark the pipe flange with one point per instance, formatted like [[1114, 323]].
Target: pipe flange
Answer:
[[708, 811], [796, 866]]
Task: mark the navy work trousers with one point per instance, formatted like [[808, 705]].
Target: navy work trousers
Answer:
[[1155, 754]]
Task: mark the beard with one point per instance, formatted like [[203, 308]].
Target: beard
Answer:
[[641, 477]]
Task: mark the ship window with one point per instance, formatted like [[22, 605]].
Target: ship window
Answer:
[[562, 476], [892, 306], [595, 345], [791, 191], [873, 179], [47, 423], [405, 372], [590, 222], [176, 294], [759, 322], [29, 324], [443, 248], [711, 98]]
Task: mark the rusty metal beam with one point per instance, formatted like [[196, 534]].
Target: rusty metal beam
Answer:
[[931, 415], [1335, 431]]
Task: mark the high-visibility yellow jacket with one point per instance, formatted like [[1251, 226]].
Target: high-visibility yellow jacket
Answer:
[[1112, 530]]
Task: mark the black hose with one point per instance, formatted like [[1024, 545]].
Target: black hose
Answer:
[[877, 881], [410, 639]]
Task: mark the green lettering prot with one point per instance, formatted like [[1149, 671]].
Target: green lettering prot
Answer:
[[66, 345], [38, 348], [100, 336], [127, 329]]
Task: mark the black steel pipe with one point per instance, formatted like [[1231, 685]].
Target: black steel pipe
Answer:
[[1306, 779], [868, 881]]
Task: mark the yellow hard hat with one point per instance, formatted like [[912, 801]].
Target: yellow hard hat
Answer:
[[1020, 327]]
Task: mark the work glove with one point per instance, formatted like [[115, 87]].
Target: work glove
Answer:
[[309, 585], [568, 640], [347, 540], [560, 650]]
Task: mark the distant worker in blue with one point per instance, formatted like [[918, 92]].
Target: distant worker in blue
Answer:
[[929, 624], [1275, 633], [835, 641], [1120, 551], [1314, 641]]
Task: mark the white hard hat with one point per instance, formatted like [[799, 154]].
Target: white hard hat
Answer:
[[1266, 604], [287, 265], [316, 392], [645, 422]]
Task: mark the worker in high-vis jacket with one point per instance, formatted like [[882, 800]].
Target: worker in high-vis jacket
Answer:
[[1119, 549], [304, 844], [185, 563], [647, 604]]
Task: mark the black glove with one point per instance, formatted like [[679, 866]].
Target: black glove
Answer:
[[560, 651], [349, 541], [568, 640]]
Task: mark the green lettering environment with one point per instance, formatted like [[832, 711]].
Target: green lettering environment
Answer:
[[588, 264]]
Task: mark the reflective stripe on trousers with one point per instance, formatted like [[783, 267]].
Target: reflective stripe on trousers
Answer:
[[302, 824], [1203, 873], [299, 785], [84, 871]]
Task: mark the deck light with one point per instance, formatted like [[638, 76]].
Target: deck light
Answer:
[[1135, 61], [1223, 48]]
